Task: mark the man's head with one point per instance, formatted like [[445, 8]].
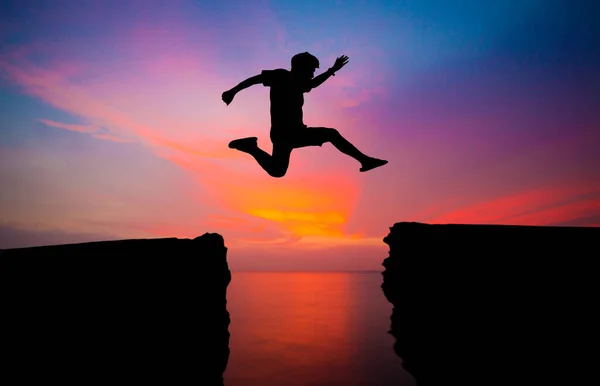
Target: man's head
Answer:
[[305, 64]]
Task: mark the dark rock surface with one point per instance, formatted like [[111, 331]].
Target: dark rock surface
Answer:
[[494, 305], [128, 311]]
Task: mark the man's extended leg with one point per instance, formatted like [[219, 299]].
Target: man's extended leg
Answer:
[[275, 165], [316, 136]]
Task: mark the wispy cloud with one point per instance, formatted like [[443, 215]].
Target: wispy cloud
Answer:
[[544, 206], [93, 130]]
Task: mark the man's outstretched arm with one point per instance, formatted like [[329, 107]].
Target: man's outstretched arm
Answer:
[[229, 94], [319, 79], [256, 79], [339, 63]]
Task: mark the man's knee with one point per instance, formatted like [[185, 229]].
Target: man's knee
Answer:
[[278, 171], [330, 134]]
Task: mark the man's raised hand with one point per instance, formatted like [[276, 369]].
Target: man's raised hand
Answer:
[[227, 96], [339, 63]]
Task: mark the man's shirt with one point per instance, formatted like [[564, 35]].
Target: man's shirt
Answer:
[[287, 98]]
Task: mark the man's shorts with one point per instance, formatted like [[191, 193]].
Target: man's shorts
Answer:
[[299, 136]]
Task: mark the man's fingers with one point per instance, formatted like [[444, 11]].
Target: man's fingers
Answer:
[[343, 59], [341, 62]]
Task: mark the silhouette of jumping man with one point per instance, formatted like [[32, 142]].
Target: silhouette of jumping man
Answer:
[[288, 131]]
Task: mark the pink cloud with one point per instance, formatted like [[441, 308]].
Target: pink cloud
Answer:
[[533, 207], [563, 213], [106, 119]]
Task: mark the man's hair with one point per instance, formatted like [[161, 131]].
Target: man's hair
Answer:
[[304, 60]]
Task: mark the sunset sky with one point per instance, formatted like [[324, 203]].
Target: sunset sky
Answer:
[[113, 126]]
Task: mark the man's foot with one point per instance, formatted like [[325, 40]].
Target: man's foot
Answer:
[[243, 144], [372, 163]]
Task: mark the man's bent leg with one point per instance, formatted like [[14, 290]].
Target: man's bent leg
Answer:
[[275, 165]]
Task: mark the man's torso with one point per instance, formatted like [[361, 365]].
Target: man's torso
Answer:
[[287, 99]]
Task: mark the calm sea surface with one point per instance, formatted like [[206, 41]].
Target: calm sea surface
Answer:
[[311, 329]]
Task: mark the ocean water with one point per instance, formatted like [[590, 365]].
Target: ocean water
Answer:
[[311, 329]]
